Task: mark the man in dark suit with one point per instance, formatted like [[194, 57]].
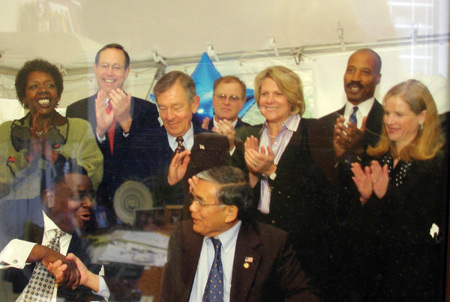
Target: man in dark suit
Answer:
[[228, 99], [66, 192], [255, 262], [180, 149], [119, 121], [360, 80]]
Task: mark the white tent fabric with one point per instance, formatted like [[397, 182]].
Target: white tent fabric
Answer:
[[321, 74]]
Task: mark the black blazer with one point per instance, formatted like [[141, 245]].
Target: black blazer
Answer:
[[302, 203], [129, 152], [273, 274], [391, 254]]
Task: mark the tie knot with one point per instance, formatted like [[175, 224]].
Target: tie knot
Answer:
[[180, 147], [59, 233], [216, 243], [353, 117]]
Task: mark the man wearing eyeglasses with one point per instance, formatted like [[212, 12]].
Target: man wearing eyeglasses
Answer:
[[222, 254], [119, 121], [228, 99]]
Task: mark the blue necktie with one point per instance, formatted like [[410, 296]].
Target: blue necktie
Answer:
[[214, 286], [353, 118]]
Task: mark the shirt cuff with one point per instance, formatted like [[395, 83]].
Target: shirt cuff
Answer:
[[15, 254], [100, 139], [232, 151], [103, 290]]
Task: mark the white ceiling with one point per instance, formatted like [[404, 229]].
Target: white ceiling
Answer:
[[70, 32]]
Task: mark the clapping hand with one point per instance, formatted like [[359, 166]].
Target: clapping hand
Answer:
[[348, 139], [178, 167], [373, 179], [121, 102], [103, 115], [39, 146], [258, 160]]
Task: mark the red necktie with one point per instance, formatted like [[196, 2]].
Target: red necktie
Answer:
[[111, 129]]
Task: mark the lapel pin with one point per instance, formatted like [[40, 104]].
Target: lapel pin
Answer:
[[201, 146], [247, 261]]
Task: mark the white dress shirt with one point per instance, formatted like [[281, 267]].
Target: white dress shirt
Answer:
[[205, 261], [363, 110], [16, 252]]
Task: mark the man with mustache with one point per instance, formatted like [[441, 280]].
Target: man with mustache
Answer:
[[344, 136], [360, 80]]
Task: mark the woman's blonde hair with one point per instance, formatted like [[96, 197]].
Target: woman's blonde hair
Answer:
[[289, 84], [428, 140]]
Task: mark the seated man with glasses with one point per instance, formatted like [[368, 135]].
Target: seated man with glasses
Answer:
[[119, 120], [229, 98], [222, 254]]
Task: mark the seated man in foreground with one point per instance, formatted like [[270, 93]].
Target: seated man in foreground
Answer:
[[66, 192], [222, 255]]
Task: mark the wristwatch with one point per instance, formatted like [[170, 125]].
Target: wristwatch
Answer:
[[273, 175]]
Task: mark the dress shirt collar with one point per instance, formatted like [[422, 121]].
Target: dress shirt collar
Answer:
[[363, 110], [188, 139], [49, 225], [229, 237], [291, 123], [50, 228], [364, 107]]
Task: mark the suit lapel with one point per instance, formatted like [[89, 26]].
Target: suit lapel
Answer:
[[295, 145], [374, 124], [190, 250], [246, 263], [91, 111]]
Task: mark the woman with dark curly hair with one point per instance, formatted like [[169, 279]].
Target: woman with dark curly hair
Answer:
[[41, 137]]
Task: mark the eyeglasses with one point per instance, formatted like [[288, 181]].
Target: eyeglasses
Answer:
[[201, 203], [224, 97], [115, 67]]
